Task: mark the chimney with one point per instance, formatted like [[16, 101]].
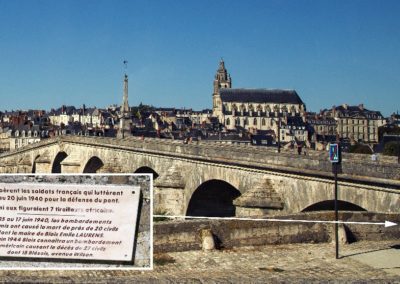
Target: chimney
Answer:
[[361, 106], [345, 106]]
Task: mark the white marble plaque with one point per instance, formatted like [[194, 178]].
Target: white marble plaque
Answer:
[[68, 221]]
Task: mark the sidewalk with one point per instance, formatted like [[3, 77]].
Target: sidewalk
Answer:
[[387, 259], [293, 263]]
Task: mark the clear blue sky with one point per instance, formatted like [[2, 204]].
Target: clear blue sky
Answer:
[[71, 52]]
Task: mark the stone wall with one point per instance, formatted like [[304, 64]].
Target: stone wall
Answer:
[[185, 235], [298, 181], [354, 165]]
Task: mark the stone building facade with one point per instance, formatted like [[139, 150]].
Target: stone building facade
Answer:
[[356, 122], [253, 109], [321, 127]]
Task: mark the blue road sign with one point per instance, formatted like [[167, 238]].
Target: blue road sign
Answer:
[[334, 153]]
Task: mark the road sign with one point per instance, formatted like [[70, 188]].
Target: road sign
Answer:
[[334, 153]]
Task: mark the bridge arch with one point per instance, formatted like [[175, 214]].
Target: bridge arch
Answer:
[[147, 170], [329, 205], [213, 198], [56, 167], [93, 165], [34, 163]]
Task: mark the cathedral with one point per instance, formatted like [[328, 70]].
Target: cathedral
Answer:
[[253, 109]]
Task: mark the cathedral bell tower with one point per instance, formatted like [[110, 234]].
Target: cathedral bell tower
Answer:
[[222, 81]]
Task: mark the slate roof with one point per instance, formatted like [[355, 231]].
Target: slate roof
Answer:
[[355, 111], [295, 120], [260, 96], [67, 109]]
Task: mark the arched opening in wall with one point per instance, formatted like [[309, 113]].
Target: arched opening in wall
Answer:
[[34, 164], [213, 198], [147, 170], [93, 165], [56, 168], [329, 205]]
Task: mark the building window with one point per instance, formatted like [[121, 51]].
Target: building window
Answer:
[[228, 121], [263, 122], [255, 121]]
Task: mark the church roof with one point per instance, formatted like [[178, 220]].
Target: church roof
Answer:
[[260, 96]]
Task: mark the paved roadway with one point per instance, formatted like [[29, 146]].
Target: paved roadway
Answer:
[[360, 262]]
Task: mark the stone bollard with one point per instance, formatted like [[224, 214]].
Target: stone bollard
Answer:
[[342, 236], [207, 240]]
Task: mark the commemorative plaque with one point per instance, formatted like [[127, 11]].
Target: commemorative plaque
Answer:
[[68, 221]]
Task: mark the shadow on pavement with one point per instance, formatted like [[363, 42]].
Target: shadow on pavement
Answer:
[[369, 251]]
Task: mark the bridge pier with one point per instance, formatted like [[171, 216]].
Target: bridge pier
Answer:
[[169, 193], [71, 164], [111, 168], [42, 164], [24, 165], [260, 200], [70, 168], [43, 167], [10, 167]]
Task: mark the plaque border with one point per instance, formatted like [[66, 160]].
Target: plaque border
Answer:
[[127, 265]]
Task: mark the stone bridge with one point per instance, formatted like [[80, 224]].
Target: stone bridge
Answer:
[[208, 179]]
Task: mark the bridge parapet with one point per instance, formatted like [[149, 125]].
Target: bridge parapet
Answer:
[[258, 157], [314, 163]]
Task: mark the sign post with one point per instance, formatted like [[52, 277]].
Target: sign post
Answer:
[[335, 159]]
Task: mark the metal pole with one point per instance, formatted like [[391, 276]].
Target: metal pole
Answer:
[[335, 170], [398, 148], [279, 134]]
